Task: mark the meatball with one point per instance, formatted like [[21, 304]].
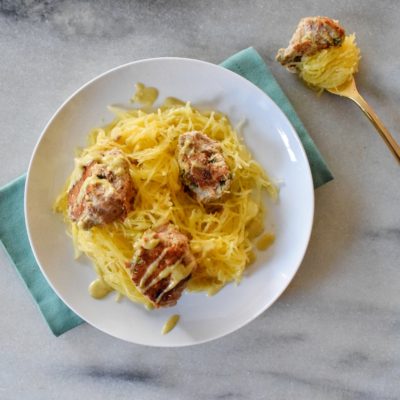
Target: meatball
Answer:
[[104, 191], [312, 35], [162, 264], [203, 168]]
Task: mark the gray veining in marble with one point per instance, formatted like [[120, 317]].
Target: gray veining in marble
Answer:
[[335, 333]]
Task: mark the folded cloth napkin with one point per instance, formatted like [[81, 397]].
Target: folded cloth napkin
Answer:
[[15, 240], [13, 235]]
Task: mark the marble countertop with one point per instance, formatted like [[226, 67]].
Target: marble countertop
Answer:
[[335, 332]]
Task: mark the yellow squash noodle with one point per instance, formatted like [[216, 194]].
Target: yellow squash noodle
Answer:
[[220, 236], [332, 67]]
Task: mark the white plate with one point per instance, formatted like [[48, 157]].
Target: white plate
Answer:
[[273, 142]]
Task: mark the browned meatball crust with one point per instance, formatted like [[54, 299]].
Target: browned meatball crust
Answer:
[[204, 171], [162, 264], [312, 35], [104, 193]]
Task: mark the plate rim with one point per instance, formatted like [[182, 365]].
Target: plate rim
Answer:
[[310, 189]]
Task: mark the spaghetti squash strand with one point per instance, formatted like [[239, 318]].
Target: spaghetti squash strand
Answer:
[[220, 238], [330, 68]]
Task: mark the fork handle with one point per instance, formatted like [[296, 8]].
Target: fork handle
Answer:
[[376, 121]]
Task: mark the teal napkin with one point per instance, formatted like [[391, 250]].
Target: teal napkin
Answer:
[[13, 236], [15, 240]]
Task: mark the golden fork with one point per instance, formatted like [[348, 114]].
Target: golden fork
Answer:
[[350, 91]]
